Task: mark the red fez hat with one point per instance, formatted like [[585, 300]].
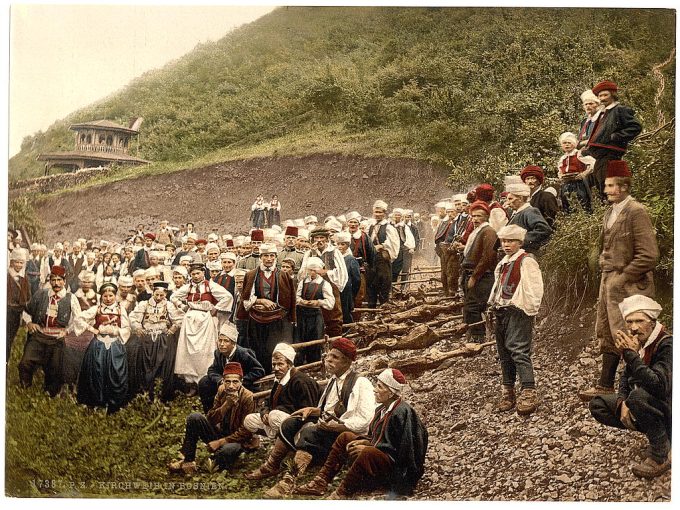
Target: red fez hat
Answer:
[[605, 85], [257, 235], [201, 241], [618, 168], [504, 194], [471, 196], [479, 204], [58, 271], [291, 231], [149, 235], [398, 376], [345, 346], [484, 192], [230, 243], [232, 368], [532, 170]]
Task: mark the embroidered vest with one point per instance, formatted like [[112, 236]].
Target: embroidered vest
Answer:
[[63, 309], [510, 276], [203, 296], [571, 165]]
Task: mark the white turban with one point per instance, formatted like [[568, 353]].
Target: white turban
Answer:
[[18, 254], [512, 232], [393, 379], [88, 276], [314, 263], [286, 351], [299, 223], [212, 246], [568, 137], [213, 265], [461, 197], [124, 281], [181, 270], [449, 206], [398, 210], [228, 256], [588, 97], [303, 232], [640, 303], [229, 330], [334, 224], [519, 189], [354, 215], [188, 258], [311, 219], [212, 237], [342, 237], [268, 248], [139, 272]]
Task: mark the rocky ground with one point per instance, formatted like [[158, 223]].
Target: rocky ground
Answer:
[[558, 454], [219, 196]]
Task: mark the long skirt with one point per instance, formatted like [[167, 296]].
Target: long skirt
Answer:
[[155, 359], [196, 345], [103, 380], [74, 352]]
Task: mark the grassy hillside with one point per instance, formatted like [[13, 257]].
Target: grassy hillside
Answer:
[[460, 85]]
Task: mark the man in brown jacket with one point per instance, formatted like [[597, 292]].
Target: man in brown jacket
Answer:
[[478, 266], [629, 255], [18, 295], [222, 428], [268, 304]]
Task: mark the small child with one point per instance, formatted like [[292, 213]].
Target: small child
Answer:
[[573, 171], [515, 299]]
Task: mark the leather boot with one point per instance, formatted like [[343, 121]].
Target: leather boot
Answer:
[[610, 362], [507, 401], [649, 468], [272, 466], [286, 485], [527, 402], [319, 484]]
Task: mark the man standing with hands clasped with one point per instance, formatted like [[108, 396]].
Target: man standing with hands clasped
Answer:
[[644, 400]]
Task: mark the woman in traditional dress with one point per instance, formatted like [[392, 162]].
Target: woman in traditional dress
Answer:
[[155, 323], [274, 212], [257, 212], [200, 299], [103, 380]]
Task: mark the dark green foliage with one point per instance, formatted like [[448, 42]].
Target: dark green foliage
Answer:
[[22, 215]]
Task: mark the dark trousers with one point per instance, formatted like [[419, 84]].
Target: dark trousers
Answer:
[[310, 326], [312, 440], [513, 340], [649, 413], [207, 389], [49, 357], [13, 323], [581, 190], [264, 337], [397, 265], [379, 281], [199, 428], [476, 301], [370, 470]]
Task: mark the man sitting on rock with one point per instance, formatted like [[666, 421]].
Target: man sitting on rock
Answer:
[[392, 454], [644, 400], [347, 404], [292, 390]]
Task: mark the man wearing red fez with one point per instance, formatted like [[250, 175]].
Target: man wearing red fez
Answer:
[[141, 260], [479, 261], [289, 250], [52, 314], [498, 218], [390, 456], [347, 404], [629, 255], [545, 202], [222, 428], [614, 129], [252, 260]]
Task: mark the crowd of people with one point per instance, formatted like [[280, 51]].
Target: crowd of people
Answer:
[[211, 316]]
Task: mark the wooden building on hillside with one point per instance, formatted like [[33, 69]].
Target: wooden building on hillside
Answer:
[[97, 143]]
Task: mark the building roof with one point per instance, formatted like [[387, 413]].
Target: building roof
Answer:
[[102, 124], [93, 156]]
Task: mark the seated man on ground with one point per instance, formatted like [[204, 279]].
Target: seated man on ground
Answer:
[[222, 428], [292, 390], [644, 400], [391, 455]]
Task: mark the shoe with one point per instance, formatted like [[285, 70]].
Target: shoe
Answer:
[[181, 466], [272, 466], [527, 402], [507, 402], [317, 487], [590, 393], [264, 471], [650, 468], [283, 488], [252, 444]]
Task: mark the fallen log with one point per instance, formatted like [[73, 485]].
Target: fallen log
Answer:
[[430, 361], [419, 337]]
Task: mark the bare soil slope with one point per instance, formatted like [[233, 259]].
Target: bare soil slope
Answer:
[[220, 196]]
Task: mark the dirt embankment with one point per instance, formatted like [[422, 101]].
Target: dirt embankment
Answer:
[[219, 196]]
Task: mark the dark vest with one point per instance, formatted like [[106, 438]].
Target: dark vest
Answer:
[[345, 392], [63, 309], [510, 276], [382, 233]]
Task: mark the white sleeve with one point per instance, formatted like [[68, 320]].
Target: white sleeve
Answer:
[[410, 242], [223, 296], [84, 320], [298, 291], [124, 330], [248, 303], [529, 294], [496, 274], [392, 242], [339, 275], [180, 294], [328, 301], [254, 206], [302, 273], [137, 315], [360, 407], [498, 219], [176, 315], [75, 311]]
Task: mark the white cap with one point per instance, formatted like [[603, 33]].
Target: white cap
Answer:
[[354, 215], [124, 280], [276, 228], [268, 248], [334, 225], [343, 237], [229, 330], [286, 351], [408, 212], [568, 137], [152, 271], [299, 223], [640, 303], [212, 236], [518, 188], [212, 246], [440, 205], [303, 232], [588, 97], [342, 218], [213, 265], [449, 206], [389, 378], [139, 272], [181, 270], [86, 276], [18, 254], [314, 263], [398, 210], [512, 232], [380, 204], [311, 219], [460, 197], [58, 246], [186, 257], [227, 255]]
